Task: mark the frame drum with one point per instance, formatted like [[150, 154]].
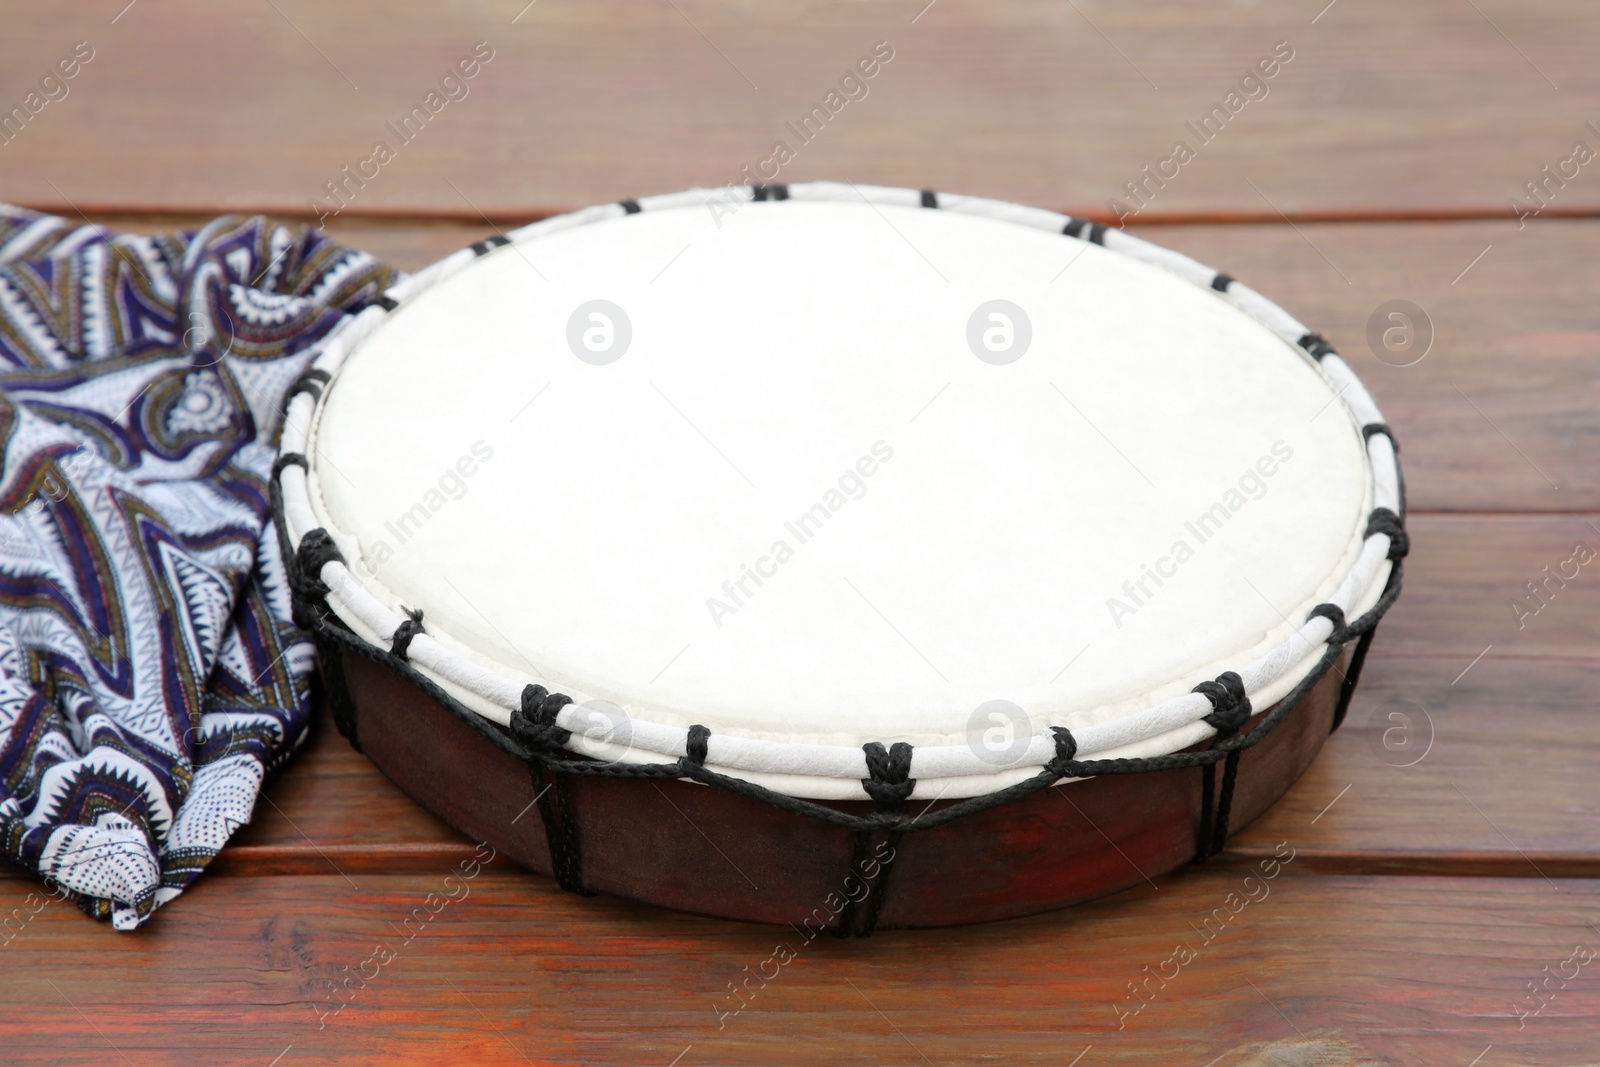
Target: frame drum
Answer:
[[838, 556]]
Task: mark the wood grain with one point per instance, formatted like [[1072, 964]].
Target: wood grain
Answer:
[[1420, 108], [1368, 970], [1482, 776], [1499, 415]]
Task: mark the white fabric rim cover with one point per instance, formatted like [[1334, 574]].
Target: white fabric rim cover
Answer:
[[838, 469]]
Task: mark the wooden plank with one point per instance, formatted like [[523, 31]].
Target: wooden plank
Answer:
[[1513, 735], [1296, 968], [332, 812], [1501, 412], [1464, 574], [1423, 108], [1485, 776]]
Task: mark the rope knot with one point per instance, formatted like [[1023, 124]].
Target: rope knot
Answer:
[[288, 459], [1066, 750], [534, 721], [1385, 521], [1230, 707], [316, 549], [1316, 346], [890, 768], [1374, 429], [1335, 615], [311, 382], [697, 745], [410, 626]]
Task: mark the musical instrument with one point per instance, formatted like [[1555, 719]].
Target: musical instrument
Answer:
[[837, 556]]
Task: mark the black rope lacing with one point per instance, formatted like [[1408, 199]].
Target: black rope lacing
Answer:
[[305, 574], [1230, 710], [534, 723], [1066, 749], [535, 738], [410, 626], [308, 604], [539, 742], [310, 381], [889, 785], [1387, 522]]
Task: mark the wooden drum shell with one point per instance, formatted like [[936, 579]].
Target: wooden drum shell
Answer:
[[694, 848]]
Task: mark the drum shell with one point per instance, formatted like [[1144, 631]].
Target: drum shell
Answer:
[[695, 848]]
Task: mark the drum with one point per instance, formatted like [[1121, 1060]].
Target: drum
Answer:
[[837, 556]]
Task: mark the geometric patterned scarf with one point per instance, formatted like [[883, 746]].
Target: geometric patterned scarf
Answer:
[[150, 676]]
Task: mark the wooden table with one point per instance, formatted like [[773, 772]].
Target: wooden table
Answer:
[[1446, 844]]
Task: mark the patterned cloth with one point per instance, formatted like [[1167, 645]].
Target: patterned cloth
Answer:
[[150, 677]]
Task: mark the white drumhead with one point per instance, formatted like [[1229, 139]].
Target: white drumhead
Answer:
[[818, 499]]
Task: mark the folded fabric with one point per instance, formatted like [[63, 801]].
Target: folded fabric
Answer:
[[150, 676]]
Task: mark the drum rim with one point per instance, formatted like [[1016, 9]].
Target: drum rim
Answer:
[[836, 771]]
